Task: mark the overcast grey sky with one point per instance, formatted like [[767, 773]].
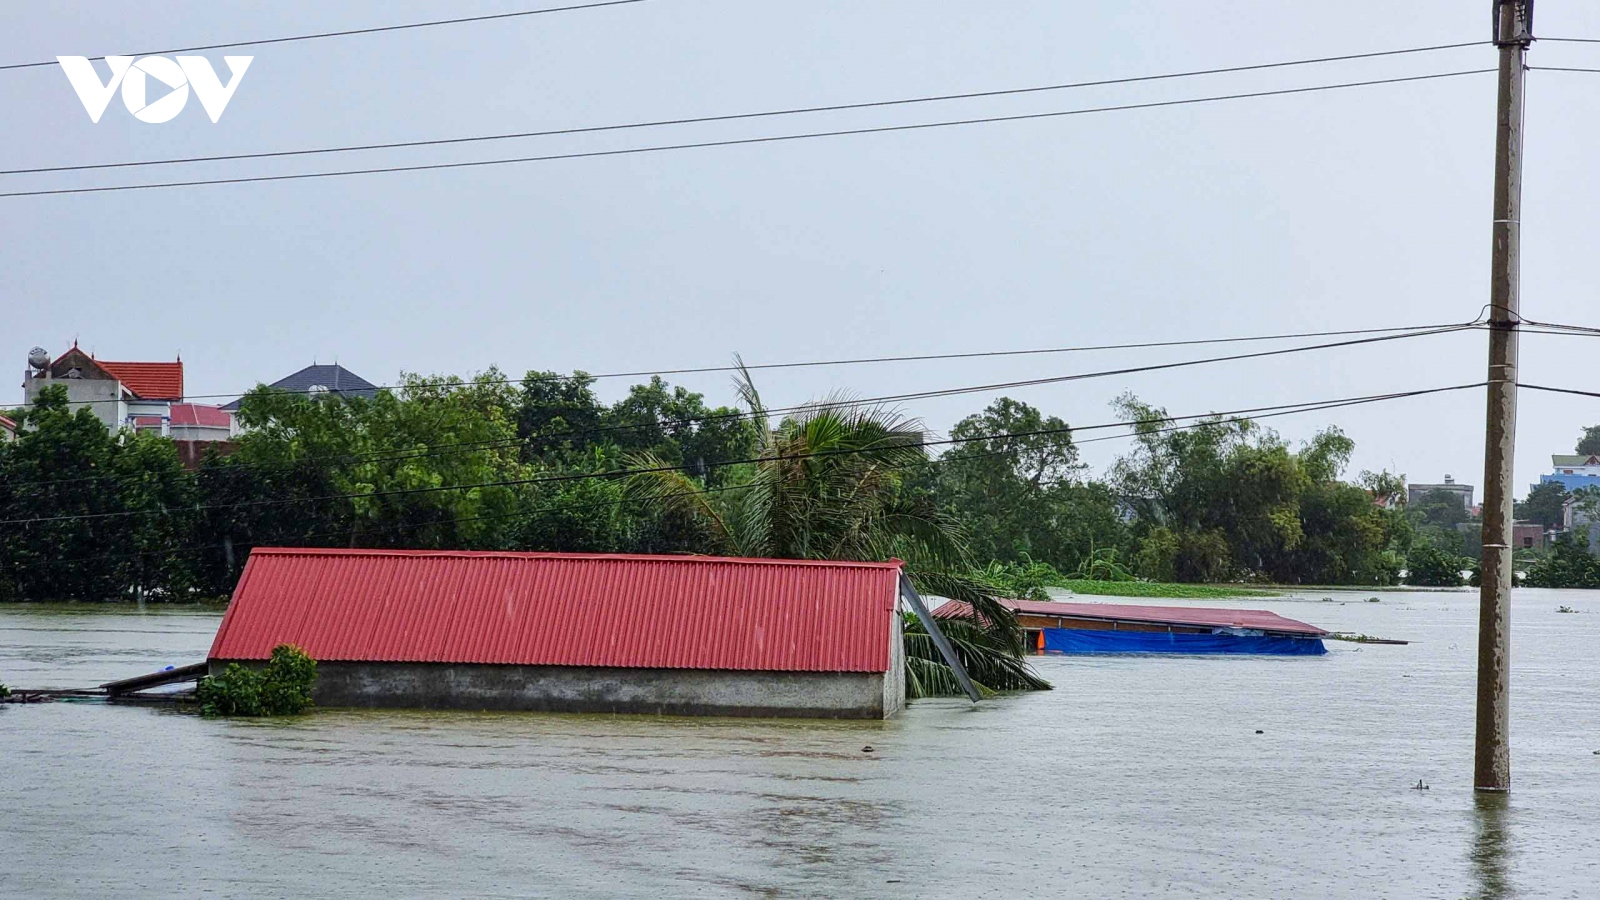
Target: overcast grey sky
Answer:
[[1341, 209]]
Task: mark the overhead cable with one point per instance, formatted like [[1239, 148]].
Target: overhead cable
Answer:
[[1209, 419], [818, 363], [1286, 409], [732, 117], [734, 142], [482, 446], [349, 32]]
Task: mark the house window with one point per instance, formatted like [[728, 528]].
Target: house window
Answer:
[[1527, 542]]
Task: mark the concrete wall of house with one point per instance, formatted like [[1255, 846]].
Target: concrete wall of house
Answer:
[[199, 433], [102, 397], [894, 680], [684, 692]]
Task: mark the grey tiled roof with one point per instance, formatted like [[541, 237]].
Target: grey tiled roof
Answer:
[[336, 378]]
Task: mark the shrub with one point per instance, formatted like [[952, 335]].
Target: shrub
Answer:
[[1433, 567], [282, 688], [1568, 565]]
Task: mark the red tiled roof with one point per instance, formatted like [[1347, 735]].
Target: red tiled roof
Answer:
[[148, 380], [7, 424], [670, 612], [1166, 615], [195, 414]]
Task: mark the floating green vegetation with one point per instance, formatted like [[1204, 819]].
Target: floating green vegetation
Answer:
[[283, 688], [1159, 589]]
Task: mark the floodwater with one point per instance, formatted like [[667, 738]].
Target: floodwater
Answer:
[[1138, 777]]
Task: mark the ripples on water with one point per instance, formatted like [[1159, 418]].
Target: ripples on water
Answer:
[[1138, 777]]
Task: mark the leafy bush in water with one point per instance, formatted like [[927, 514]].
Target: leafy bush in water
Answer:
[[1568, 565], [1433, 567], [4, 691], [1160, 589], [283, 688]]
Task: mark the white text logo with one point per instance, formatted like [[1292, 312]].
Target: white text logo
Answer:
[[133, 76]]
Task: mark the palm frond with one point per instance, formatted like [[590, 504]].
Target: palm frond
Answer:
[[992, 666]]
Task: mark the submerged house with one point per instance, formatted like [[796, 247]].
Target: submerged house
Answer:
[[1056, 627], [683, 635]]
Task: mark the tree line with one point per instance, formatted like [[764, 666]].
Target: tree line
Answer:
[[543, 463]]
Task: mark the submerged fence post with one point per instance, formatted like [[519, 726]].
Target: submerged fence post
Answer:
[[913, 598]]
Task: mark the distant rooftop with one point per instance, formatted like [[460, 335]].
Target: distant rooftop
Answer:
[[336, 379]]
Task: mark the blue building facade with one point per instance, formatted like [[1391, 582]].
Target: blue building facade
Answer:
[[1573, 472]]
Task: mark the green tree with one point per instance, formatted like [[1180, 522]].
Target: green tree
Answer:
[[1589, 444], [559, 414], [1433, 567], [829, 485], [1439, 508], [1569, 564], [1544, 505], [1015, 484], [676, 427], [105, 509], [1225, 491], [423, 466]]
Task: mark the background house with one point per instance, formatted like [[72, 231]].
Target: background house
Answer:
[[1573, 472], [8, 430], [190, 422], [117, 393], [1462, 492], [319, 379]]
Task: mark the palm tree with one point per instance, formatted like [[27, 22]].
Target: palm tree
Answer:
[[826, 484]]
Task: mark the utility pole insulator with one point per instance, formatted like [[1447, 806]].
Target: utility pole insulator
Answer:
[[1513, 22]]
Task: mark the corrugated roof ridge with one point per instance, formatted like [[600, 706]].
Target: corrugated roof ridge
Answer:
[[541, 554]]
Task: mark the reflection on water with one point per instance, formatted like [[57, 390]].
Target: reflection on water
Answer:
[[1489, 845], [1137, 777]]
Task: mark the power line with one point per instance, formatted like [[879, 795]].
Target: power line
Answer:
[[1556, 390], [1560, 69], [354, 31], [1285, 409], [768, 139], [479, 446], [732, 117], [1209, 419], [925, 357]]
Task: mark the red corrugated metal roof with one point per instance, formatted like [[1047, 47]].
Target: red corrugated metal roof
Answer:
[[1166, 615], [195, 414], [7, 424], [670, 612], [149, 380]]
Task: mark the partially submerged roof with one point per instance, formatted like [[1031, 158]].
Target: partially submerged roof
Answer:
[[670, 612], [1201, 616], [336, 379]]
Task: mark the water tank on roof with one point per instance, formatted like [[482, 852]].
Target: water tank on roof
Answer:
[[39, 358]]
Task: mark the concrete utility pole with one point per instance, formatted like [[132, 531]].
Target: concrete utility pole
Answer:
[[1513, 32]]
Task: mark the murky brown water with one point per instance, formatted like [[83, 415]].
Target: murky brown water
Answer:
[[1139, 777]]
